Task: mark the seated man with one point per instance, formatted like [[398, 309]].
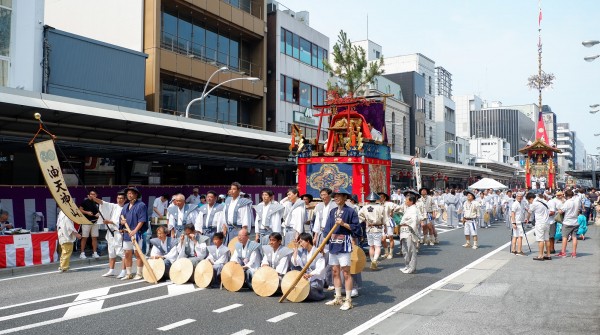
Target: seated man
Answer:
[[163, 248], [276, 256], [4, 224], [248, 254], [192, 245], [315, 274], [218, 255]]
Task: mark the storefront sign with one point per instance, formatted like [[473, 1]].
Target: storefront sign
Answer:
[[305, 117]]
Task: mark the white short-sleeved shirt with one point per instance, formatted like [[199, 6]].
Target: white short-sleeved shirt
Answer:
[[160, 205], [571, 209], [518, 210], [539, 211]]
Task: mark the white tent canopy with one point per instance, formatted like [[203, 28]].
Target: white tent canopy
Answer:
[[486, 183]]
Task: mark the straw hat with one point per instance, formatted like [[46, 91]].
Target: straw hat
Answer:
[[203, 274], [231, 245], [358, 259], [300, 292], [265, 281], [181, 271], [387, 196], [232, 276], [157, 266]]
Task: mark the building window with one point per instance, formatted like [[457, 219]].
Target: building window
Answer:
[[288, 42], [302, 49], [430, 136], [289, 89], [430, 89], [305, 53], [281, 87], [377, 54], [193, 38], [430, 110], [300, 93], [305, 91], [219, 106]]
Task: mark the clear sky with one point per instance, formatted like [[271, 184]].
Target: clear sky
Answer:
[[489, 46]]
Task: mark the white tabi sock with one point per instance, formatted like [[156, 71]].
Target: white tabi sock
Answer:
[[338, 292]]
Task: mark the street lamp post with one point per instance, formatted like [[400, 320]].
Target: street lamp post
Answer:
[[438, 146], [205, 94], [594, 169]]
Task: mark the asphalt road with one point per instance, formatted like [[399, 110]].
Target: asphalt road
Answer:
[[81, 301]]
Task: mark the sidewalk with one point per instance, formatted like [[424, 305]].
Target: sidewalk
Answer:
[[508, 294], [75, 263]]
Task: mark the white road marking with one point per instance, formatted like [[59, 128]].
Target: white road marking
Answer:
[[227, 308], [85, 309], [179, 289], [176, 324], [93, 293], [389, 312], [49, 322], [243, 332], [49, 272], [61, 296], [94, 305], [80, 302], [281, 317]]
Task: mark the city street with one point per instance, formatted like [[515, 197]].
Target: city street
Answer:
[[82, 301]]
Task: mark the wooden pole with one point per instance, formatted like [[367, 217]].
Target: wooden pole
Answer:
[[141, 254], [319, 250]]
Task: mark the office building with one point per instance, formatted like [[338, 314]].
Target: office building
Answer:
[[397, 67], [397, 112], [296, 79], [510, 124], [445, 117], [565, 141], [464, 105]]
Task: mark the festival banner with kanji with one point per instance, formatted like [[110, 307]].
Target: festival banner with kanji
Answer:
[[46, 156]]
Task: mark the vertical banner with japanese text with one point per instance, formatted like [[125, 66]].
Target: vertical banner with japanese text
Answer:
[[417, 172], [46, 156]]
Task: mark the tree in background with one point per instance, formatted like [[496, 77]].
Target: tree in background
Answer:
[[350, 68]]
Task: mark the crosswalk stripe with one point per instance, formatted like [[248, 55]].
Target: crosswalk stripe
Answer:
[[243, 332], [179, 289], [80, 302], [104, 310], [227, 308], [176, 324], [281, 317]]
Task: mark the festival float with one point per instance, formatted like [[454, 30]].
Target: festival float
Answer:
[[356, 155], [540, 172]]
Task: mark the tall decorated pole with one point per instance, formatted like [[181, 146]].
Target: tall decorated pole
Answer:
[[540, 170]]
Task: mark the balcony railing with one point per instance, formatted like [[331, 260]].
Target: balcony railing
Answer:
[[209, 55], [182, 113]]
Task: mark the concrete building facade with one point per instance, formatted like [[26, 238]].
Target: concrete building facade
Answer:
[[490, 148], [510, 124], [464, 105], [397, 113], [445, 116], [424, 66], [296, 79], [21, 35]]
